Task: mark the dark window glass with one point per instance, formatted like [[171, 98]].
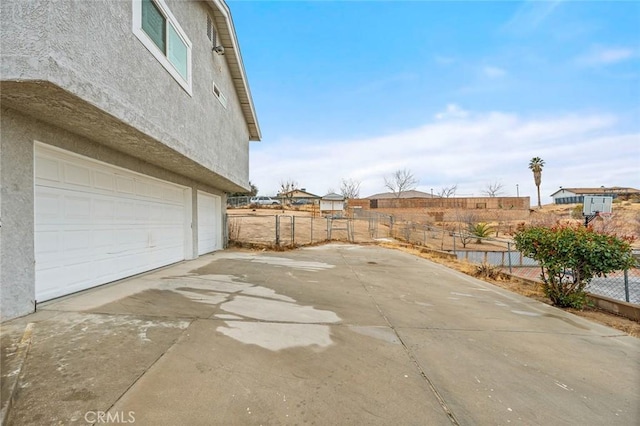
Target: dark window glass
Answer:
[[154, 24]]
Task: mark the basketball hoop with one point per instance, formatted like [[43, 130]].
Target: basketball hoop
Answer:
[[596, 206]]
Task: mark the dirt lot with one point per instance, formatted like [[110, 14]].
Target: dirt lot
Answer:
[[256, 229]]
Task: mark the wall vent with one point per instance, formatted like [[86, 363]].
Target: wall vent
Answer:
[[218, 94], [211, 30]]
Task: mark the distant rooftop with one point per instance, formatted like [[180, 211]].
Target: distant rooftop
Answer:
[[601, 190], [332, 196], [404, 194]]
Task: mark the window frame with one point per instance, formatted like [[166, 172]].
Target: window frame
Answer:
[[163, 57]]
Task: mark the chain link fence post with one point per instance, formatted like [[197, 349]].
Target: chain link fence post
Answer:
[[626, 285], [293, 230]]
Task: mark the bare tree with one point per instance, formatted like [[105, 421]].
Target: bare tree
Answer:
[[400, 181], [464, 220], [286, 189], [493, 189], [448, 191], [350, 188]]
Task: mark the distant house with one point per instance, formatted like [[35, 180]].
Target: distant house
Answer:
[[576, 195], [299, 195], [332, 203]]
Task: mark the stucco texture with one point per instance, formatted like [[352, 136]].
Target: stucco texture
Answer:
[[83, 69], [17, 273]]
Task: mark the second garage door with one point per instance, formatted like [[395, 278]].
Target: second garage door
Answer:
[[209, 222], [96, 223]]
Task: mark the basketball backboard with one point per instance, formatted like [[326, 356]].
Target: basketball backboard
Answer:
[[596, 204]]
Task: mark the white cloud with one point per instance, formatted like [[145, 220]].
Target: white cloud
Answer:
[[494, 72], [600, 55], [463, 147], [451, 112]]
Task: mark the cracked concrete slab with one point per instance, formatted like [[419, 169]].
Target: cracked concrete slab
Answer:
[[337, 334]]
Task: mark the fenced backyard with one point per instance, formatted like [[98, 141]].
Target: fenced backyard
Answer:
[[281, 228]]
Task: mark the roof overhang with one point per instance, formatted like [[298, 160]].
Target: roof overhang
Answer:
[[228, 39]]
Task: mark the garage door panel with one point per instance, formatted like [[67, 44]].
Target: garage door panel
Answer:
[[48, 205], [103, 239], [104, 181], [209, 218], [77, 240], [172, 195], [125, 208], [125, 185], [77, 207], [104, 210], [101, 223], [77, 175], [48, 169]]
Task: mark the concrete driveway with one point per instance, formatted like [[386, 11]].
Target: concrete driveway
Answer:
[[335, 334]]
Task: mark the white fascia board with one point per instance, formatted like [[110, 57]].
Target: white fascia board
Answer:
[[224, 10]]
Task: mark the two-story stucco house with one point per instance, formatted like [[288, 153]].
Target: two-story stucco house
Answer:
[[124, 124]]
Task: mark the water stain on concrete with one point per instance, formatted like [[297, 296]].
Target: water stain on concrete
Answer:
[[269, 260], [381, 333], [80, 361], [156, 302], [267, 293], [278, 336], [568, 321], [227, 298], [527, 313], [79, 395], [275, 310]]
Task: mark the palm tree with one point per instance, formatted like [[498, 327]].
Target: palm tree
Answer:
[[480, 230], [536, 164]]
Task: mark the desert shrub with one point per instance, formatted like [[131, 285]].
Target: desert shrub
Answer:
[[570, 256], [486, 270], [576, 212], [234, 228]]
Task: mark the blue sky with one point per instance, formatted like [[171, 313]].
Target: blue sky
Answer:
[[457, 92]]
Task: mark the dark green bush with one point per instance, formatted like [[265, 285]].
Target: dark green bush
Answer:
[[570, 256]]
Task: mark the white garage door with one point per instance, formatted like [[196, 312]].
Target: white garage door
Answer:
[[209, 223], [95, 223]]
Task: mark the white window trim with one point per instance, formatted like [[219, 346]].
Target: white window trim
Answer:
[[217, 92], [155, 51]]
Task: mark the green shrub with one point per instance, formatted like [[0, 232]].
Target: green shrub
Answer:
[[570, 256]]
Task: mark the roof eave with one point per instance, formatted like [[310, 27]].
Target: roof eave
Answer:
[[228, 39]]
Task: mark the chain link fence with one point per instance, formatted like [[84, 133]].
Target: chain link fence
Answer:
[[294, 228], [290, 229], [240, 201], [619, 285]]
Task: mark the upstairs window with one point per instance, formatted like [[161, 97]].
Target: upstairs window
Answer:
[[159, 31]]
